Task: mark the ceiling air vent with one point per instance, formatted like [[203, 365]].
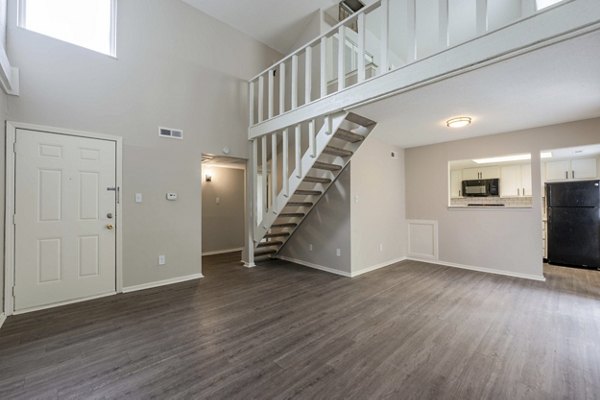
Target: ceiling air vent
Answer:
[[170, 133]]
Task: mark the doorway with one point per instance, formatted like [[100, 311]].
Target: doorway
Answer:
[[63, 243], [223, 207]]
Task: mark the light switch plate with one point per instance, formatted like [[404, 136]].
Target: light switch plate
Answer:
[[138, 198], [162, 260], [171, 196]]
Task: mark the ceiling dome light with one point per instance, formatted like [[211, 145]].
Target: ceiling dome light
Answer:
[[458, 122]]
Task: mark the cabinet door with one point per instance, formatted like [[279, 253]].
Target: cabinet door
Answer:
[[583, 168], [510, 181], [490, 172], [455, 184], [470, 174], [557, 170], [526, 185]]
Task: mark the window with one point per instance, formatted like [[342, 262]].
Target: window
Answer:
[[88, 23], [545, 3]]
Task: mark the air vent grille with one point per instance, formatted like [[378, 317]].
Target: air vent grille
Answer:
[[170, 133]]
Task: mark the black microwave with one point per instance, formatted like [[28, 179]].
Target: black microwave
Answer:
[[481, 188]]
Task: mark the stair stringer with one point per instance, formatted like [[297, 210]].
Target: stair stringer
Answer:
[[322, 139]]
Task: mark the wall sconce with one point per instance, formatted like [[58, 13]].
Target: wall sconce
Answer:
[[208, 177]]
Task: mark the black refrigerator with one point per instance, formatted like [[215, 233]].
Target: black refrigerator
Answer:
[[574, 223]]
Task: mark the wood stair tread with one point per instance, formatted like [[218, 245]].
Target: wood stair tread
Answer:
[[269, 244], [336, 151], [264, 252], [278, 234], [327, 166], [302, 192], [285, 225], [299, 204], [348, 136], [314, 179], [360, 120]]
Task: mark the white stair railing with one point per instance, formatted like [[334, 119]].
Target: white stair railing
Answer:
[[276, 184], [302, 77]]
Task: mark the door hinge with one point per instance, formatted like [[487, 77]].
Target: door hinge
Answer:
[[14, 291], [14, 147], [14, 219]]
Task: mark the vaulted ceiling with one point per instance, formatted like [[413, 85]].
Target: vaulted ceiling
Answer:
[[276, 23]]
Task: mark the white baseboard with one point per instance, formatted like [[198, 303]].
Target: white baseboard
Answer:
[[248, 265], [2, 319], [214, 253], [171, 281], [540, 278], [316, 266], [376, 266], [63, 303]]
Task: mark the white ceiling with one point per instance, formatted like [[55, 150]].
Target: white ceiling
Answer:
[[556, 84], [276, 23]]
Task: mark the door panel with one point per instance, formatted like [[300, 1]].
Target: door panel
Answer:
[[63, 248]]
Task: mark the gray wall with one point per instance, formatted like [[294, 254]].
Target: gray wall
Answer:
[[3, 118], [365, 208], [176, 67], [3, 114], [327, 228], [508, 239], [223, 223], [378, 204]]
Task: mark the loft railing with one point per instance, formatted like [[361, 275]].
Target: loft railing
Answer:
[[305, 76]]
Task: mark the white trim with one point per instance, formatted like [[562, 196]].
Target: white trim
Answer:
[[316, 266], [377, 266], [494, 271], [225, 251], [143, 286], [248, 264], [2, 319], [435, 244], [63, 303], [9, 240]]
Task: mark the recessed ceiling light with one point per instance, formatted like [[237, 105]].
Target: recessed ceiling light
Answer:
[[458, 122]]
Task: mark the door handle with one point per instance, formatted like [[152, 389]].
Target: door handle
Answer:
[[518, 192], [523, 191], [573, 174], [109, 227], [566, 174]]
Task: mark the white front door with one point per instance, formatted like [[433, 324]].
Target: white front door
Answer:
[[65, 220]]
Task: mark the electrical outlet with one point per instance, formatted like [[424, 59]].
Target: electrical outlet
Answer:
[[310, 247], [162, 260], [338, 252]]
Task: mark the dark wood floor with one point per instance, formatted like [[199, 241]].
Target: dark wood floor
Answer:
[[410, 331]]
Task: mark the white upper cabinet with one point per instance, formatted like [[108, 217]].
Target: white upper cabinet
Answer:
[[515, 180], [581, 168], [481, 173], [526, 180], [456, 183]]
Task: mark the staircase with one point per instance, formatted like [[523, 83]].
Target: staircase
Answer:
[[325, 157]]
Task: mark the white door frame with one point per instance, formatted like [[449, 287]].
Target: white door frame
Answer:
[[9, 208]]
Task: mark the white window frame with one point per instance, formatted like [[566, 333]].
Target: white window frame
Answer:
[[22, 23]]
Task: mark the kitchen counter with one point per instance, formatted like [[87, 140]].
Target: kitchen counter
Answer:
[[491, 202]]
